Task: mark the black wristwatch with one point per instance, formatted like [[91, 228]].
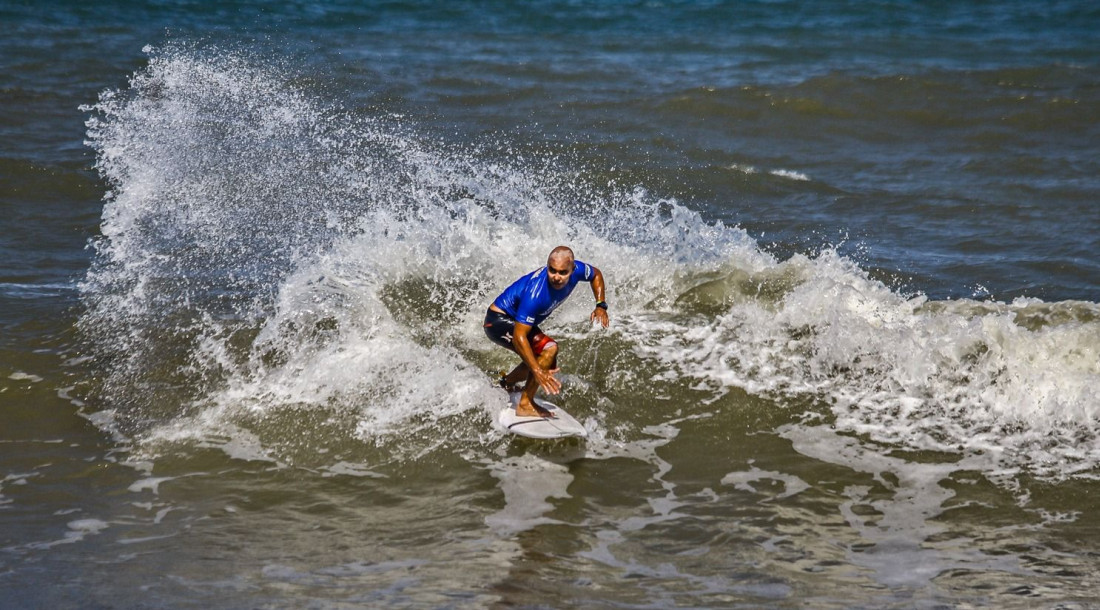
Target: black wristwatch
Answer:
[[602, 305]]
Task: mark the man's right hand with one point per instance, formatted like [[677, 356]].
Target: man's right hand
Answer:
[[547, 381]]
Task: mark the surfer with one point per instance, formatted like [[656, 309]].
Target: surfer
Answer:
[[513, 318]]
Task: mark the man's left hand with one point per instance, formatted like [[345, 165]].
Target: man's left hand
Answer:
[[599, 314]]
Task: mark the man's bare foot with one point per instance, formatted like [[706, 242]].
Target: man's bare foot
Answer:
[[531, 410]]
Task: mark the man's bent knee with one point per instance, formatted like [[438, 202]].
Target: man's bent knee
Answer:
[[549, 356], [541, 343], [549, 352]]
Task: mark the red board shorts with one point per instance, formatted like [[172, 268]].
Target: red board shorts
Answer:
[[500, 329]]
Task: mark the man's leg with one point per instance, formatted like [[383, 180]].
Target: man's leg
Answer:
[[517, 376], [526, 407], [520, 374]]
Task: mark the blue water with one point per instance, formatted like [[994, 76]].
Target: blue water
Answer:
[[851, 260], [952, 143]]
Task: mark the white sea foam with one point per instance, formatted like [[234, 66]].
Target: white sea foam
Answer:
[[1019, 381], [149, 484], [21, 376], [744, 480], [787, 173], [528, 483], [79, 529], [12, 479]]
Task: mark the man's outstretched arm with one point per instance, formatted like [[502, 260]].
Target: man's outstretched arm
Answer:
[[599, 313]]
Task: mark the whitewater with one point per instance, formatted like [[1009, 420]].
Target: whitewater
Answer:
[[286, 254]]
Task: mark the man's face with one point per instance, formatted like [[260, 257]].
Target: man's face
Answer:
[[558, 270]]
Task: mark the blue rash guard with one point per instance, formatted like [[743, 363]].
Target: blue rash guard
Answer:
[[530, 299]]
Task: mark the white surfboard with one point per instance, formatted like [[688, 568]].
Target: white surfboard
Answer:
[[559, 425]]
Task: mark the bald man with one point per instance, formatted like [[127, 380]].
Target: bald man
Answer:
[[513, 318]]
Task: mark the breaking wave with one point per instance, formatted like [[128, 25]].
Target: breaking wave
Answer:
[[298, 281]]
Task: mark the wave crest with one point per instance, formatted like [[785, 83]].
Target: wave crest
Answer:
[[267, 258]]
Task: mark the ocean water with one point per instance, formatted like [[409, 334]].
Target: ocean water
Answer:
[[851, 255]]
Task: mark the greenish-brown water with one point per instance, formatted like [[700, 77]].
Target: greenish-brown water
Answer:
[[850, 253]]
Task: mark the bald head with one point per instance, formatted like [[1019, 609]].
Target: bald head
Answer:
[[559, 266], [561, 254]]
